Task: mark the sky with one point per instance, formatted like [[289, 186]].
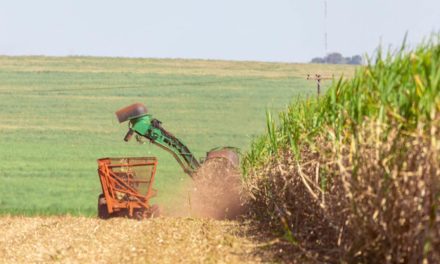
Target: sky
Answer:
[[255, 30]]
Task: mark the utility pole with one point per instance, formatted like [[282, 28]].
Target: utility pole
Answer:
[[318, 78], [325, 28]]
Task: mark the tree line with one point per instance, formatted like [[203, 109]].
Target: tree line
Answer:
[[337, 58]]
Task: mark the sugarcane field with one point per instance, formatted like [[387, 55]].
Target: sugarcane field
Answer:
[[220, 132]]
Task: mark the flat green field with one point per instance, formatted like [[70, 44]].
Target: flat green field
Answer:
[[57, 118]]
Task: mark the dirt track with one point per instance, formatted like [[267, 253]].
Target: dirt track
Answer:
[[88, 240]]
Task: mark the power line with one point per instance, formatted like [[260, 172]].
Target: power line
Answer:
[[325, 27]]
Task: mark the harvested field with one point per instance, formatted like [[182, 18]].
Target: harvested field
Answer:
[[87, 240]]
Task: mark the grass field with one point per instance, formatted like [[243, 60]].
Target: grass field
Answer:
[[57, 118]]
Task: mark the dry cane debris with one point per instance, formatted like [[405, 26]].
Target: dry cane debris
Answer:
[[88, 240]]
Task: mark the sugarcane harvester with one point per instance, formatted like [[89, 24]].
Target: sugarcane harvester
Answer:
[[127, 182], [145, 126]]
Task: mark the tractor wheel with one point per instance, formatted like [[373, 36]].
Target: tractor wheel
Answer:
[[138, 214], [154, 211], [102, 207]]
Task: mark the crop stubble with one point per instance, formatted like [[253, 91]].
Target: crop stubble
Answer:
[[88, 240]]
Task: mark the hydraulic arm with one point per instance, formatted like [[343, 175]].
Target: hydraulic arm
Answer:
[[143, 124]]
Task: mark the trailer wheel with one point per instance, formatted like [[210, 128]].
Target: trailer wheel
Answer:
[[102, 207], [154, 211], [138, 214]]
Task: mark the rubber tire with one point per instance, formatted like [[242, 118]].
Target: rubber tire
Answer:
[[138, 214], [102, 207], [154, 211]]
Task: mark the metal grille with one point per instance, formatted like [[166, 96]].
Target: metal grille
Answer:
[[135, 172]]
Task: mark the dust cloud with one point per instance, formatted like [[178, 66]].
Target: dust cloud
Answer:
[[216, 191]]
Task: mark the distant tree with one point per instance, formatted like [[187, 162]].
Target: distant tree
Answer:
[[356, 60], [318, 60], [334, 58], [337, 58]]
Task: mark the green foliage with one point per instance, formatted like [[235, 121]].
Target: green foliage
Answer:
[[403, 88], [354, 176]]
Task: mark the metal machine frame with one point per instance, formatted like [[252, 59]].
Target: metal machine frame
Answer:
[[141, 123], [120, 189], [120, 197]]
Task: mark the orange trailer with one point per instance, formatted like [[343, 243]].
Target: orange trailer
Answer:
[[127, 187]]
